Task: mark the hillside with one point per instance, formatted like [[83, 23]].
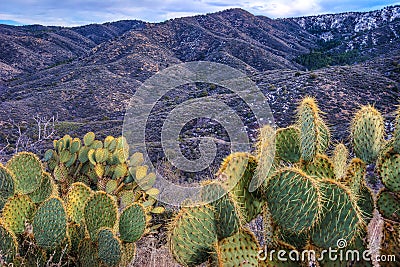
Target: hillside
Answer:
[[87, 74]]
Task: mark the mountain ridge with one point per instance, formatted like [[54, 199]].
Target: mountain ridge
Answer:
[[89, 73]]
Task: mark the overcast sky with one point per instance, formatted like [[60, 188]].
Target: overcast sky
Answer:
[[76, 12]]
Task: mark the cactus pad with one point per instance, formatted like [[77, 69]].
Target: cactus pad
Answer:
[[27, 170], [193, 235], [88, 254], [132, 223], [77, 196], [8, 244], [45, 189], [307, 121], [388, 205], [367, 130], [340, 155], [110, 247], [240, 249], [389, 170], [50, 223], [236, 173], [293, 194], [227, 214], [100, 211], [342, 219], [288, 144], [6, 185], [321, 166], [17, 211]]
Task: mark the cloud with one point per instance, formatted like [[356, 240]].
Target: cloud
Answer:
[[79, 12]]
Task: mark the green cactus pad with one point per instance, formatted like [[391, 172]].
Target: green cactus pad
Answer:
[[367, 131], [101, 155], [307, 123], [340, 155], [227, 214], [323, 137], [265, 155], [83, 154], [321, 166], [50, 223], [388, 205], [88, 139], [365, 202], [17, 211], [240, 249], [27, 171], [75, 145], [299, 241], [100, 211], [342, 219], [193, 235], [45, 189], [236, 174], [77, 196], [132, 223], [60, 173], [389, 170], [355, 175], [88, 254], [76, 233], [293, 194], [288, 144], [8, 244], [110, 247], [6, 185]]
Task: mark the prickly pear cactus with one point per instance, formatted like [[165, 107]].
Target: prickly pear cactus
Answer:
[[77, 197], [50, 223], [342, 219], [227, 212], [293, 194], [88, 254], [340, 157], [367, 132], [241, 249], [193, 235], [132, 223], [100, 211], [236, 174], [388, 205], [6, 185], [321, 167], [8, 244], [288, 144], [309, 131], [27, 171], [45, 190], [109, 247], [17, 211], [389, 170]]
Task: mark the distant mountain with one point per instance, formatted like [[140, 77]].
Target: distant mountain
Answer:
[[87, 74]]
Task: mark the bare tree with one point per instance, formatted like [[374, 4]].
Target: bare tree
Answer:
[[45, 128]]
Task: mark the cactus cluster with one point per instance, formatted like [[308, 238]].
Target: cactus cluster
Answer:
[[103, 165], [72, 222], [310, 196]]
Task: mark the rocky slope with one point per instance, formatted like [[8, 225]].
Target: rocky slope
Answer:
[[87, 74]]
